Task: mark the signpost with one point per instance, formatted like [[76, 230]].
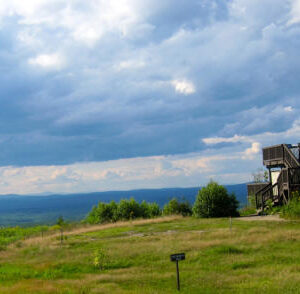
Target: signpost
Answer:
[[175, 258]]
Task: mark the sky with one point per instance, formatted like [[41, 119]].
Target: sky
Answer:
[[127, 94]]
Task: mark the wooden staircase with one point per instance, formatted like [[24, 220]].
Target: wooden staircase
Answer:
[[285, 157]]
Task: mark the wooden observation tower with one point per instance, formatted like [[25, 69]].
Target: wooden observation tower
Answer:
[[283, 163]]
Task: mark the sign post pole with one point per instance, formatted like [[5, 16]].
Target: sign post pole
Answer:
[[178, 281], [176, 258]]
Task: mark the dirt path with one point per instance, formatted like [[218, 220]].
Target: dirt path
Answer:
[[262, 218]]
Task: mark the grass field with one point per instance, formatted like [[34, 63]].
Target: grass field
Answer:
[[253, 257]]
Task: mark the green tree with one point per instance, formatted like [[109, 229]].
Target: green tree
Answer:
[[61, 222], [260, 176], [176, 207], [92, 217], [128, 209], [154, 210], [214, 201]]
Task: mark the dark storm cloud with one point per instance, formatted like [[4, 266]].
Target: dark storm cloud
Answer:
[[142, 78]]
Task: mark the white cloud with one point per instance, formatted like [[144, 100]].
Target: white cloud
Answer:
[[131, 64], [217, 140], [86, 25], [87, 34], [50, 61], [183, 87], [259, 140], [295, 12], [252, 151], [288, 109], [152, 172]]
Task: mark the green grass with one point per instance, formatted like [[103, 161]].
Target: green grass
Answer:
[[254, 257]]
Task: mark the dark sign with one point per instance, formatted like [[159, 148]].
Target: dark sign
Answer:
[[177, 257]]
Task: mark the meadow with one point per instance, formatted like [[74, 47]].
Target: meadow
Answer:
[[134, 257]]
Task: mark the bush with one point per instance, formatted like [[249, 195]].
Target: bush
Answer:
[[149, 210], [214, 201], [292, 209], [128, 209], [124, 210], [247, 210], [176, 207], [101, 259], [154, 210]]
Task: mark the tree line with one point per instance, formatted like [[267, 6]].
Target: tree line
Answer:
[[211, 201]]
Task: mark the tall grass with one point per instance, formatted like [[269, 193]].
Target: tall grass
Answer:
[[292, 209]]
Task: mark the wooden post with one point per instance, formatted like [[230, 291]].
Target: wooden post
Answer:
[[61, 236], [256, 202], [178, 281]]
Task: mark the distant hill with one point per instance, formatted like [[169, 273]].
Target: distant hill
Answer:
[[29, 210]]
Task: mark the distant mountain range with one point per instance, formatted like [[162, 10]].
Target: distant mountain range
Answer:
[[29, 210]]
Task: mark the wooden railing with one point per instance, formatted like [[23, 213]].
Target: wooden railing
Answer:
[[289, 178], [280, 154], [255, 187], [294, 176], [273, 153], [262, 195], [289, 157]]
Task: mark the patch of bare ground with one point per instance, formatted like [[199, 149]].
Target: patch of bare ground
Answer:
[[274, 217]]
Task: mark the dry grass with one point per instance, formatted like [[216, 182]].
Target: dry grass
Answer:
[[93, 228], [271, 218]]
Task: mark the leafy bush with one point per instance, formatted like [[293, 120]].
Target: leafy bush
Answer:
[[124, 210], [292, 209], [247, 210], [176, 207], [214, 201], [149, 210], [251, 201], [154, 210], [129, 209], [101, 259]]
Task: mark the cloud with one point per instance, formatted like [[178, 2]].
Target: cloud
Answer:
[[152, 172], [217, 140], [295, 12], [183, 87], [253, 150], [50, 61], [288, 108]]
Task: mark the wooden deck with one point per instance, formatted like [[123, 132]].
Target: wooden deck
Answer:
[[286, 158]]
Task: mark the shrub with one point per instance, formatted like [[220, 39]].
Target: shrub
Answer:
[[129, 209], [176, 207], [251, 201], [101, 259], [214, 201], [124, 210], [154, 210], [292, 209], [247, 210]]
